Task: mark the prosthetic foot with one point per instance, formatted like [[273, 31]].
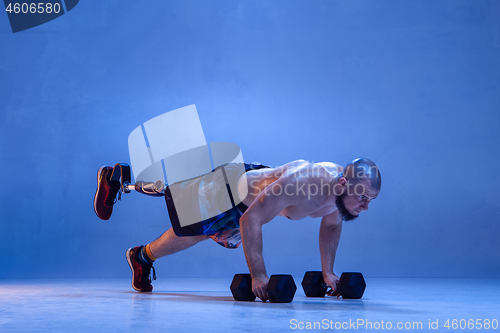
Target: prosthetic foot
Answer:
[[112, 182]]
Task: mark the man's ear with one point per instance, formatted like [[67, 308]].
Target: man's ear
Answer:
[[342, 181]]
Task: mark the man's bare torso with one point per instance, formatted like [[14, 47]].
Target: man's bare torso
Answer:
[[308, 181]]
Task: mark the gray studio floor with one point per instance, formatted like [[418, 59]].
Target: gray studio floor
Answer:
[[206, 305]]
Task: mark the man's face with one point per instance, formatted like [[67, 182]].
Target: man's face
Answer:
[[354, 200]]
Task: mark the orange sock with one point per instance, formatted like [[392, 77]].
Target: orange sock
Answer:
[[147, 251]]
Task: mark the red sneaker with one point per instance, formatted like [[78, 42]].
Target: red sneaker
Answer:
[[141, 280], [105, 195]]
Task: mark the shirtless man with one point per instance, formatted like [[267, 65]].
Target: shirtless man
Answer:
[[295, 190]]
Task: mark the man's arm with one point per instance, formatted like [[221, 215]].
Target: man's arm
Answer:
[[265, 207], [329, 236]]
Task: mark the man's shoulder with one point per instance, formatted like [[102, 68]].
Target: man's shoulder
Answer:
[[306, 169], [298, 166], [332, 168]]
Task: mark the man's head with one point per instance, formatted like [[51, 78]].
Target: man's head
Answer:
[[358, 184]]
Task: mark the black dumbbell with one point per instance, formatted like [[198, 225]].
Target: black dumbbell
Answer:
[[280, 289], [351, 284]]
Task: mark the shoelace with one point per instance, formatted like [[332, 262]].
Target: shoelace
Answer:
[[146, 273], [111, 198]]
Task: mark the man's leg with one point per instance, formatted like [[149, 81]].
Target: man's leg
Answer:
[[170, 243], [141, 258]]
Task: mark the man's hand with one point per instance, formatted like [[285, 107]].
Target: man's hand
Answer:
[[259, 286], [331, 280]]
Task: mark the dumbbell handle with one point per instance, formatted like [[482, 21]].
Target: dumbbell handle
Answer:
[[280, 288]]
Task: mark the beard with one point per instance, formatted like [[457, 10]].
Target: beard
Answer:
[[344, 213]]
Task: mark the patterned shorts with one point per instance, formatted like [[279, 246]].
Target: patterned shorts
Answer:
[[223, 228]]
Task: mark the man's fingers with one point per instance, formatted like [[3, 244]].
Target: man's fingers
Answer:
[[259, 287], [262, 294], [257, 293], [332, 292]]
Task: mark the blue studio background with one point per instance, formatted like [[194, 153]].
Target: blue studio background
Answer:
[[413, 85]]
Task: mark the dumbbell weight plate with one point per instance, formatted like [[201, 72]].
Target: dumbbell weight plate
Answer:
[[351, 285], [281, 288], [313, 284]]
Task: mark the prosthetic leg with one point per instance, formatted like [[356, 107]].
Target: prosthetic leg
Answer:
[[156, 189]]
